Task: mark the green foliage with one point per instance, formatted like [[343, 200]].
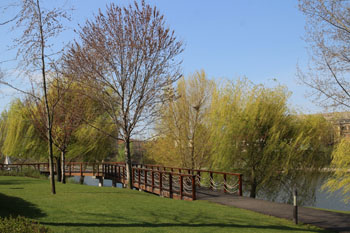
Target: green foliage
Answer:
[[93, 143], [25, 172], [22, 129], [21, 138], [21, 225], [340, 179], [3, 129], [184, 125], [254, 132]]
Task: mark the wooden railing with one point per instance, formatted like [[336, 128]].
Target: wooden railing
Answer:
[[167, 184], [172, 182], [228, 182]]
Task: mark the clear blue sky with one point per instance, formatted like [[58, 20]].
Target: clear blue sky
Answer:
[[261, 40]]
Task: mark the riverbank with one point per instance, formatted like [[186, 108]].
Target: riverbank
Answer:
[[81, 208], [334, 221]]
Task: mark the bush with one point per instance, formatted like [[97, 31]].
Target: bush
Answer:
[[21, 225], [27, 172]]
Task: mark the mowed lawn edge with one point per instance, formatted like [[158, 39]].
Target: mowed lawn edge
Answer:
[[82, 208]]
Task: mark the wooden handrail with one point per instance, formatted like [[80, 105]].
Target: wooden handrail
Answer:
[[117, 170]]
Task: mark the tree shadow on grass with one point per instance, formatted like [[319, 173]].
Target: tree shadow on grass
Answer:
[[15, 206], [181, 225]]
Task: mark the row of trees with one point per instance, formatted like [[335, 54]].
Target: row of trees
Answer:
[[240, 127], [124, 60], [24, 134], [122, 69]]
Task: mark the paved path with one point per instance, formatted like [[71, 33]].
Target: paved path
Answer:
[[324, 219]]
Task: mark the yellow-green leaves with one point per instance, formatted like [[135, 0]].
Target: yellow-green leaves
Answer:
[[184, 125], [340, 165], [254, 131]]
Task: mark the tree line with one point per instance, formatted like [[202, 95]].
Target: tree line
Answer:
[[122, 76]]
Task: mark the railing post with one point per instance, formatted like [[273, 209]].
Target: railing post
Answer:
[[199, 178], [160, 183], [170, 185], [193, 187], [211, 181], [81, 169], [181, 186], [225, 185], [39, 167], [124, 174], [70, 169], [115, 171], [240, 185], [145, 172], [139, 176], [152, 180], [133, 176], [98, 169]]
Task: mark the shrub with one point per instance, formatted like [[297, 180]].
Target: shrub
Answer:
[[27, 172], [21, 225]]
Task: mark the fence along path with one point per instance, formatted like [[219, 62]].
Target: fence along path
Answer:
[[172, 182]]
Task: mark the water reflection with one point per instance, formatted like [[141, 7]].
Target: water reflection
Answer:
[[310, 192]]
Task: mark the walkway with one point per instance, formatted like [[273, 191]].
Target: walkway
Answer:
[[325, 219]]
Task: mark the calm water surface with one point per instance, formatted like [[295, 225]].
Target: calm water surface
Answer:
[[322, 199]]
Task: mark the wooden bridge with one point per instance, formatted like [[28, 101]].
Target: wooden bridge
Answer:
[[172, 182]]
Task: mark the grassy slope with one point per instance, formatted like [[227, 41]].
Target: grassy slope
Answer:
[[80, 208]]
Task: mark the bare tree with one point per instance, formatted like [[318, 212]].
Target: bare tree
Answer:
[[39, 25], [328, 35], [69, 108], [128, 56]]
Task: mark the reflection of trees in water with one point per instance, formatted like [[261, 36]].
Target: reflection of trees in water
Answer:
[[306, 182]]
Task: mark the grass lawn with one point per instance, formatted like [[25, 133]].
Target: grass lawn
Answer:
[[81, 208]]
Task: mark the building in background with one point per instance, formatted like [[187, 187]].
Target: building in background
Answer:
[[341, 123]]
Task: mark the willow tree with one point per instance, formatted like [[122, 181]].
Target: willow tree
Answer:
[[340, 165], [256, 133], [183, 128], [21, 139], [3, 129], [128, 55], [70, 109]]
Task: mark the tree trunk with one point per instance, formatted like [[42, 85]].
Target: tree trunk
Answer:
[[63, 168], [58, 168], [253, 185], [128, 163], [52, 173], [48, 115]]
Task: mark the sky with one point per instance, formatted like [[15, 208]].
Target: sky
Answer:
[[229, 39]]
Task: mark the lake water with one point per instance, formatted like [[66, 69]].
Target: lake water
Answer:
[[322, 199]]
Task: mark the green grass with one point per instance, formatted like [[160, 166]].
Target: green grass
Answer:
[[81, 208]]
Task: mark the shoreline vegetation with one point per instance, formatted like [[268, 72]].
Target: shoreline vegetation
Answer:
[[82, 208]]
